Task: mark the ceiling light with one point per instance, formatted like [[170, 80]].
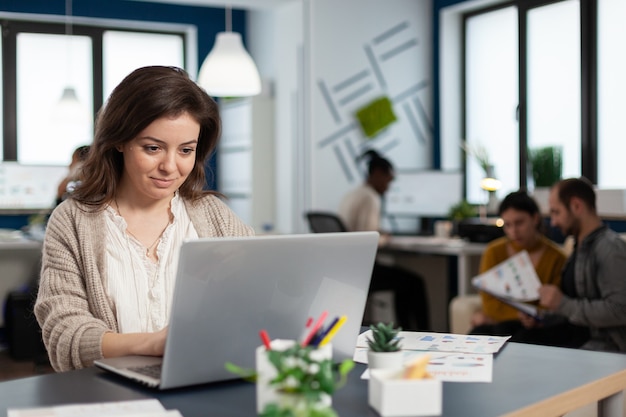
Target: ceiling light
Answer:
[[228, 70]]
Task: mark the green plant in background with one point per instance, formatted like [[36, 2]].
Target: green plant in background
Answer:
[[375, 116], [547, 165], [39, 218], [462, 210], [480, 154], [384, 338]]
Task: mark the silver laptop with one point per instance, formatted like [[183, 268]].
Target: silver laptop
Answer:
[[228, 289]]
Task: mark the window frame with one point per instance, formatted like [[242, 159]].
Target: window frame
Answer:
[[589, 89], [14, 23]]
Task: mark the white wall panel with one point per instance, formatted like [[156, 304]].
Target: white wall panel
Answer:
[[360, 50]]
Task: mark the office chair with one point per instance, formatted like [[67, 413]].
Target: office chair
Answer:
[[325, 222]]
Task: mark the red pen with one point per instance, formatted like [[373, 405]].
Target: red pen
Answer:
[[309, 321], [315, 327], [265, 338]]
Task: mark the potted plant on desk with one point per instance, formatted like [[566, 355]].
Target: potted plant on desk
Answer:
[[384, 347], [305, 379], [295, 380]]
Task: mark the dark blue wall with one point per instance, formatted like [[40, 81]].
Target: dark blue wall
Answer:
[[13, 221], [437, 6]]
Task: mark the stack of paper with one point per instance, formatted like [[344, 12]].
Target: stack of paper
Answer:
[[443, 342], [139, 408]]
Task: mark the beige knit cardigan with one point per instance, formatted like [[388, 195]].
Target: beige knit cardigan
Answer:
[[72, 306]]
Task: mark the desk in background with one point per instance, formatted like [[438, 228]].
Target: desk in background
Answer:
[[528, 381], [433, 258], [426, 245], [20, 264]]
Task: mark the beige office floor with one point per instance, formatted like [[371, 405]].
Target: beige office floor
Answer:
[[12, 369]]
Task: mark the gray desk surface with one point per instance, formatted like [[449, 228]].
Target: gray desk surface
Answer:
[[534, 379]]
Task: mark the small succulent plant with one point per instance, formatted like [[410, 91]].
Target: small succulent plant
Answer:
[[384, 338]]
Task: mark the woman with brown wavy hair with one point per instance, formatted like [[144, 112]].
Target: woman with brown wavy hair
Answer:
[[111, 249]]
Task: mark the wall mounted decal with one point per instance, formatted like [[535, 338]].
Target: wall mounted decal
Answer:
[[376, 116]]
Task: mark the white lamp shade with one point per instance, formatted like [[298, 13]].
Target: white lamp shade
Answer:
[[69, 109], [228, 70]]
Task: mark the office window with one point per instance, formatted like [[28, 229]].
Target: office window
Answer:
[[611, 93], [1, 95], [125, 51], [556, 87], [553, 75], [48, 130], [491, 98]]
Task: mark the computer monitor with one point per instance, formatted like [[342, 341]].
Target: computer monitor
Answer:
[[424, 193], [29, 187]]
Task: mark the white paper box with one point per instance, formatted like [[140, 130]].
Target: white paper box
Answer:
[[393, 396]]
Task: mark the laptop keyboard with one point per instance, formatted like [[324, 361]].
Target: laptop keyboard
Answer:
[[153, 371]]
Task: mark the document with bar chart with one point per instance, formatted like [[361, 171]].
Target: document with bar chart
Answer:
[[443, 342]]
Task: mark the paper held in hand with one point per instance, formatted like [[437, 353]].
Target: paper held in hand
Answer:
[[515, 279]]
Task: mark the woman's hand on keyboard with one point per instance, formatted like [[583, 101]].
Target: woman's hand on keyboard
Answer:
[[123, 344]]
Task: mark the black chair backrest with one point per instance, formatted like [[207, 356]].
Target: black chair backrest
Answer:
[[324, 222]]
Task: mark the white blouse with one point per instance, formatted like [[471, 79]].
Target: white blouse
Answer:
[[140, 291]]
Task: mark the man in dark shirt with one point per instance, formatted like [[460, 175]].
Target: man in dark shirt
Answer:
[[591, 301]]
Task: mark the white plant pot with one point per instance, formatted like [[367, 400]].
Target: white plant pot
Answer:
[[266, 393], [385, 360]]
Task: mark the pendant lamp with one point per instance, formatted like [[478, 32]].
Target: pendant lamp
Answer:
[[69, 109], [228, 70], [69, 99]]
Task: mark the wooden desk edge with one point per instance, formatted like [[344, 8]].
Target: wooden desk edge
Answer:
[[575, 398]]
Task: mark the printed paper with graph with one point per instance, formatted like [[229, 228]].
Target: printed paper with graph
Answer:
[[515, 279]]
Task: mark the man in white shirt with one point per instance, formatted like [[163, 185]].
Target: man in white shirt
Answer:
[[360, 210]]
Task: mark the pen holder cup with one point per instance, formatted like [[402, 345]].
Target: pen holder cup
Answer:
[[394, 396], [443, 228], [266, 372]]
